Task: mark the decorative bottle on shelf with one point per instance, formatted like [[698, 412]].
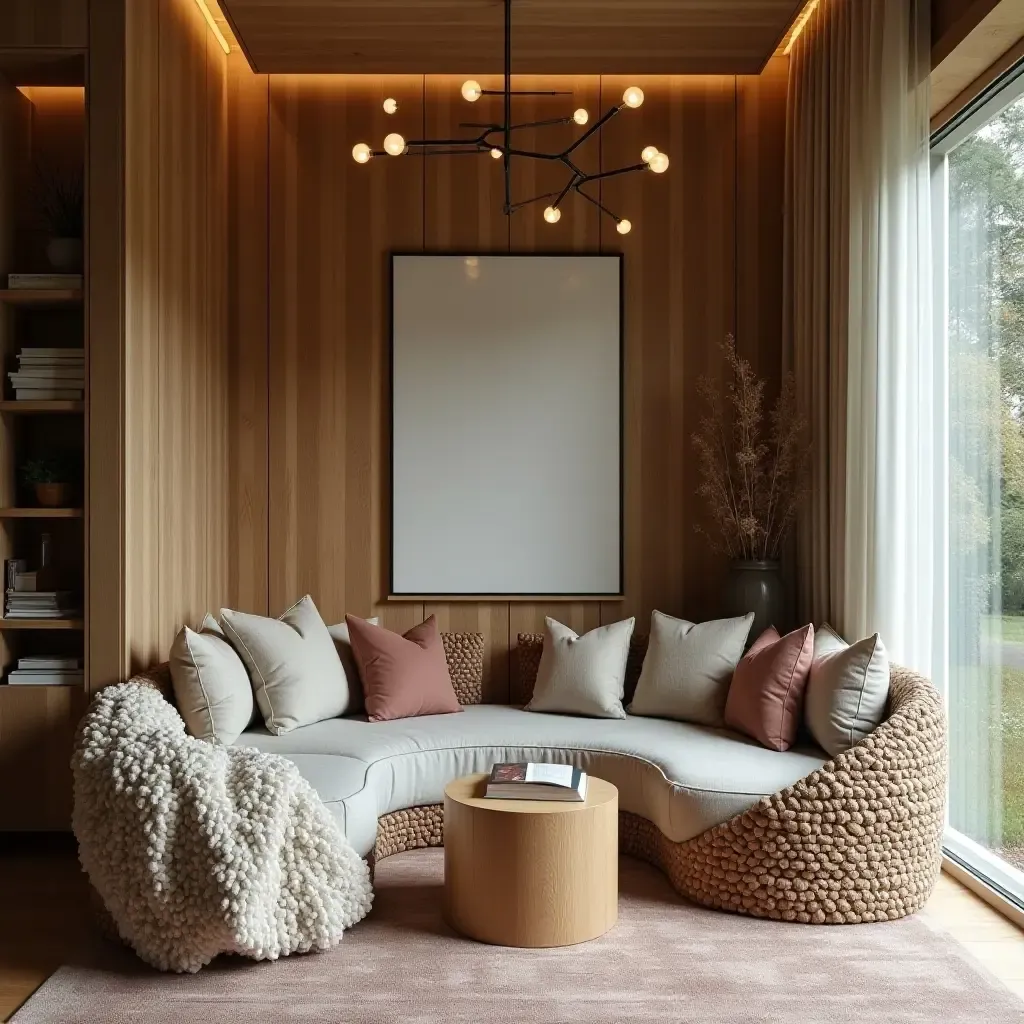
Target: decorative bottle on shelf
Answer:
[[44, 574]]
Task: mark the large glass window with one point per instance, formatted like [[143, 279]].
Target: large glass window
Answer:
[[981, 209]]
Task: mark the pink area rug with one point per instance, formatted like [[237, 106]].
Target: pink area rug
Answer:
[[665, 960]]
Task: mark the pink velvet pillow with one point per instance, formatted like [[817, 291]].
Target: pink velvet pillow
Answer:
[[767, 688], [403, 676]]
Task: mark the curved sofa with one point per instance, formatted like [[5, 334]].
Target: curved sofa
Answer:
[[792, 836]]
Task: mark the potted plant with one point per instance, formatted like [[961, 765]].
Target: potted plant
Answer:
[[50, 478], [752, 478], [60, 199]]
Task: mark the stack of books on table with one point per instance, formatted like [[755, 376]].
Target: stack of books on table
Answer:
[[44, 671], [48, 374], [44, 282], [41, 604], [528, 780]]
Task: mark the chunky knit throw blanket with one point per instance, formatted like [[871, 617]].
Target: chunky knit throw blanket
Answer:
[[198, 849]]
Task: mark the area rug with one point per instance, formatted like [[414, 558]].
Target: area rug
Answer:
[[665, 960]]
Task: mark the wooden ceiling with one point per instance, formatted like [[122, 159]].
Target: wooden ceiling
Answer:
[[549, 37]]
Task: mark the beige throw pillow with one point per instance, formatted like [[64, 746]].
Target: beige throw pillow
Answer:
[[582, 675], [293, 664], [356, 703], [688, 668], [211, 686], [847, 690]]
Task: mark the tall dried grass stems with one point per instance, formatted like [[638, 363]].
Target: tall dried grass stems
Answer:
[[751, 477]]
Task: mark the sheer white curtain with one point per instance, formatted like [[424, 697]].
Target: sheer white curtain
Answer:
[[867, 147], [894, 453]]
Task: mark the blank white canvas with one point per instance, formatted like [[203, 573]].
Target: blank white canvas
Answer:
[[506, 419]]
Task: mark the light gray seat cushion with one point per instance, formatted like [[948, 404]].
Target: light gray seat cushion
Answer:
[[684, 778]]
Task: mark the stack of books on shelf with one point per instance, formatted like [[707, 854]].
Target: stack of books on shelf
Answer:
[[47, 671], [24, 601], [44, 282], [48, 374], [42, 604]]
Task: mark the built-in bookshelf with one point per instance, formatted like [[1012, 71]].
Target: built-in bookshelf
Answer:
[[43, 427]]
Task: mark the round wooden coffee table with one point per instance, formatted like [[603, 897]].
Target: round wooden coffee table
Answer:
[[530, 872]]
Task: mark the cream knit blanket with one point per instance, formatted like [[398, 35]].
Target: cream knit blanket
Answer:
[[198, 849]]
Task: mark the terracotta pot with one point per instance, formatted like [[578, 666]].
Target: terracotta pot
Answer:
[[52, 495]]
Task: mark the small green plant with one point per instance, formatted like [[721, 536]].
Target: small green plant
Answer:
[[60, 200], [54, 469]]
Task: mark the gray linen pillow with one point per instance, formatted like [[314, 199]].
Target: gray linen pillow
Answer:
[[582, 675], [847, 690], [688, 668], [211, 685], [293, 665]]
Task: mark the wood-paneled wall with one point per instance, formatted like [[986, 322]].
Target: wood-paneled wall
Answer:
[[176, 325], [311, 234], [49, 24]]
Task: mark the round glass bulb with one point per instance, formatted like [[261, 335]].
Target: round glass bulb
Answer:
[[624, 227], [581, 116], [649, 153], [496, 154], [633, 96], [552, 215], [394, 144], [471, 91], [361, 153], [390, 105], [658, 163]]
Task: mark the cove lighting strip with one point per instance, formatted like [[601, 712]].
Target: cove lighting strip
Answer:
[[214, 27], [801, 24]]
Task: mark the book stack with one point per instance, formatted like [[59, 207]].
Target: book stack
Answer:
[[44, 671], [48, 374], [41, 604], [42, 282]]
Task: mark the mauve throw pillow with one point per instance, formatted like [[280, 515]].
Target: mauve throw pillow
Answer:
[[767, 688], [403, 676]]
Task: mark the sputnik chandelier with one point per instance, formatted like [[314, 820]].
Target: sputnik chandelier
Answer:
[[497, 140]]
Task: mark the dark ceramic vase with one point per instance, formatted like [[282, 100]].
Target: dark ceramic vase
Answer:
[[756, 587]]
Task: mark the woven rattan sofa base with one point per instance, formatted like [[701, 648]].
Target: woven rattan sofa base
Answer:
[[857, 840]]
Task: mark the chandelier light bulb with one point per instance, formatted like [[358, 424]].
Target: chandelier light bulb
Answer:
[[623, 227], [552, 215], [471, 91], [361, 153], [394, 144], [649, 153], [633, 97], [496, 154], [658, 163], [581, 116], [390, 106]]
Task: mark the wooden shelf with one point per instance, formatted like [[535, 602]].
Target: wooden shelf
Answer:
[[40, 296], [40, 513], [42, 624], [19, 408]]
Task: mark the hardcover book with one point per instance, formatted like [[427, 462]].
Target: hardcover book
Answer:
[[531, 780]]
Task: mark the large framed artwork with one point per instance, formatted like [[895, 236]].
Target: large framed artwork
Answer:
[[506, 426]]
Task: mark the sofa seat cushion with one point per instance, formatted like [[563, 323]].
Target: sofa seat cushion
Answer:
[[684, 778]]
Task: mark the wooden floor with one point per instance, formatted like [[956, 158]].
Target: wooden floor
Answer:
[[45, 917]]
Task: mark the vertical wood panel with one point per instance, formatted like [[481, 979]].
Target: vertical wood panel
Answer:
[[332, 225], [248, 337], [49, 23], [679, 296]]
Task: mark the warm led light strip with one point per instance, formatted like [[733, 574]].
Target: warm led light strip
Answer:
[[801, 24], [214, 27]]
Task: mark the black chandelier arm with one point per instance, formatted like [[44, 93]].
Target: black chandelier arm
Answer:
[[524, 92], [590, 199], [530, 202], [595, 127], [445, 142], [612, 174], [565, 191]]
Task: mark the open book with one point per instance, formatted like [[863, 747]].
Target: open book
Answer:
[[528, 780]]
